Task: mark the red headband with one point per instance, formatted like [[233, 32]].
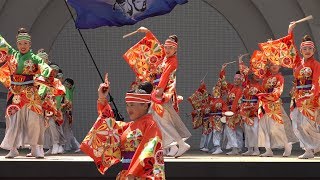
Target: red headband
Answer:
[[307, 44], [170, 42], [138, 98]]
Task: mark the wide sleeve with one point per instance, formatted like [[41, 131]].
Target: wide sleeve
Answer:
[[102, 143], [224, 84], [42, 91], [236, 101], [297, 60], [5, 49], [5, 52], [165, 76], [244, 71], [224, 106], [148, 161], [315, 78], [45, 69], [5, 74], [104, 109]]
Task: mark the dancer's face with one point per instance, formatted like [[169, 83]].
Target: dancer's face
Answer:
[[307, 52], [23, 46], [237, 80], [274, 68], [170, 50], [54, 72], [136, 110], [67, 85]]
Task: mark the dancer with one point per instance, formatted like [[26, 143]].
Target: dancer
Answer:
[[137, 144], [304, 106], [67, 108], [173, 129], [203, 112], [233, 129], [54, 137], [23, 117], [272, 132], [218, 107], [249, 109]]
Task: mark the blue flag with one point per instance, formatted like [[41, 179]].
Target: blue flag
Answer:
[[95, 13]]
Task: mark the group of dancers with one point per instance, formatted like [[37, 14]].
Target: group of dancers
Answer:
[[256, 107], [39, 106], [251, 106]]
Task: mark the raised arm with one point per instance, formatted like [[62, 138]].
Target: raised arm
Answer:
[[103, 107], [224, 84], [5, 48]]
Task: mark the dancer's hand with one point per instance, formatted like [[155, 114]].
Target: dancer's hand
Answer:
[[130, 177], [224, 66], [159, 93], [143, 29], [292, 25], [103, 90]]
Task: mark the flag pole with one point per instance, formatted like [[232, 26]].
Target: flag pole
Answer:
[[111, 99]]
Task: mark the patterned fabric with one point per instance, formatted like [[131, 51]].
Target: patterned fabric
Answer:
[[269, 100], [281, 51], [108, 139], [5, 75], [258, 64], [197, 119], [217, 106], [199, 99], [4, 67], [144, 57]]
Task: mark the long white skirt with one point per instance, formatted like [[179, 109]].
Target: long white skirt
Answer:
[[271, 133], [205, 140], [71, 142], [53, 135], [306, 130], [234, 137], [288, 127], [216, 138], [171, 125], [25, 127], [251, 133]]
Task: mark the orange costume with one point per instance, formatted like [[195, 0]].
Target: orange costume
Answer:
[[304, 103], [306, 91], [234, 94], [249, 105], [137, 144], [249, 111], [233, 130], [269, 101]]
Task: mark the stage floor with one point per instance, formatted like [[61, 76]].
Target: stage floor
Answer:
[[193, 165], [190, 156]]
